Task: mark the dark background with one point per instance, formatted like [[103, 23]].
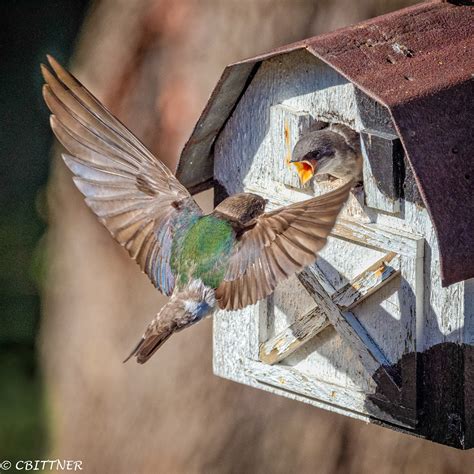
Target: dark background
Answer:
[[28, 30]]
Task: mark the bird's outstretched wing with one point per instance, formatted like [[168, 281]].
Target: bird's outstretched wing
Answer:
[[280, 243], [133, 193]]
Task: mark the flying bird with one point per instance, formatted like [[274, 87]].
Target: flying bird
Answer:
[[334, 150], [230, 258]]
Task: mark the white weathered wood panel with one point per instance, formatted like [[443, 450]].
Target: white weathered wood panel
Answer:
[[285, 307], [346, 325], [243, 161], [308, 324], [228, 362], [290, 380]]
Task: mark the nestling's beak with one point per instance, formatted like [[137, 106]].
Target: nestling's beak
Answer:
[[305, 170]]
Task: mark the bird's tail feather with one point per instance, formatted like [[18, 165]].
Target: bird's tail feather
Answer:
[[148, 345]]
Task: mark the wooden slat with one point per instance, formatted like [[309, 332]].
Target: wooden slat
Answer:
[[368, 282], [377, 236], [349, 327], [292, 381], [294, 336], [314, 321]]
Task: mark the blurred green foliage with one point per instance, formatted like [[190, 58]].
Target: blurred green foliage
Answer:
[[28, 30], [23, 430]]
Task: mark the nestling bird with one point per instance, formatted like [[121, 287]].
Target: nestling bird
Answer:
[[230, 258], [334, 150]]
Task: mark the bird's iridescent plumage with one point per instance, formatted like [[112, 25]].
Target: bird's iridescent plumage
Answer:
[[202, 252]]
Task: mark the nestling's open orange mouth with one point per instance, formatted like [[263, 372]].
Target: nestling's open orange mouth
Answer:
[[305, 170]]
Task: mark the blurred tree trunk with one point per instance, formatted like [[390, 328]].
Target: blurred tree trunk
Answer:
[[154, 63]]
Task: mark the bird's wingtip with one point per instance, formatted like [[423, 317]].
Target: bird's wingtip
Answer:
[[44, 71], [58, 69], [135, 349], [53, 121], [51, 59], [45, 90]]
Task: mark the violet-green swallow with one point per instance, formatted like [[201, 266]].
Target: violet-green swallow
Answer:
[[230, 258]]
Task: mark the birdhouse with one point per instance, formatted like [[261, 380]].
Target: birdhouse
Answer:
[[381, 327]]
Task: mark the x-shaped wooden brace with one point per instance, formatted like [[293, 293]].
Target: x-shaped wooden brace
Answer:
[[334, 308]]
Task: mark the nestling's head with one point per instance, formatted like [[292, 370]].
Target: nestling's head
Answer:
[[317, 153], [242, 208]]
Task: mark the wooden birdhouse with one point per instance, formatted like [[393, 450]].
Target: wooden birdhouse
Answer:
[[381, 327]]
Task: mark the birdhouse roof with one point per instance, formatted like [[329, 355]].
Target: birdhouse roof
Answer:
[[419, 63]]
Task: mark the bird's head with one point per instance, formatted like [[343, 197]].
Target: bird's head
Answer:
[[315, 153], [241, 208]]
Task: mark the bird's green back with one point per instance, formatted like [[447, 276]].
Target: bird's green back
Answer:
[[202, 251]]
